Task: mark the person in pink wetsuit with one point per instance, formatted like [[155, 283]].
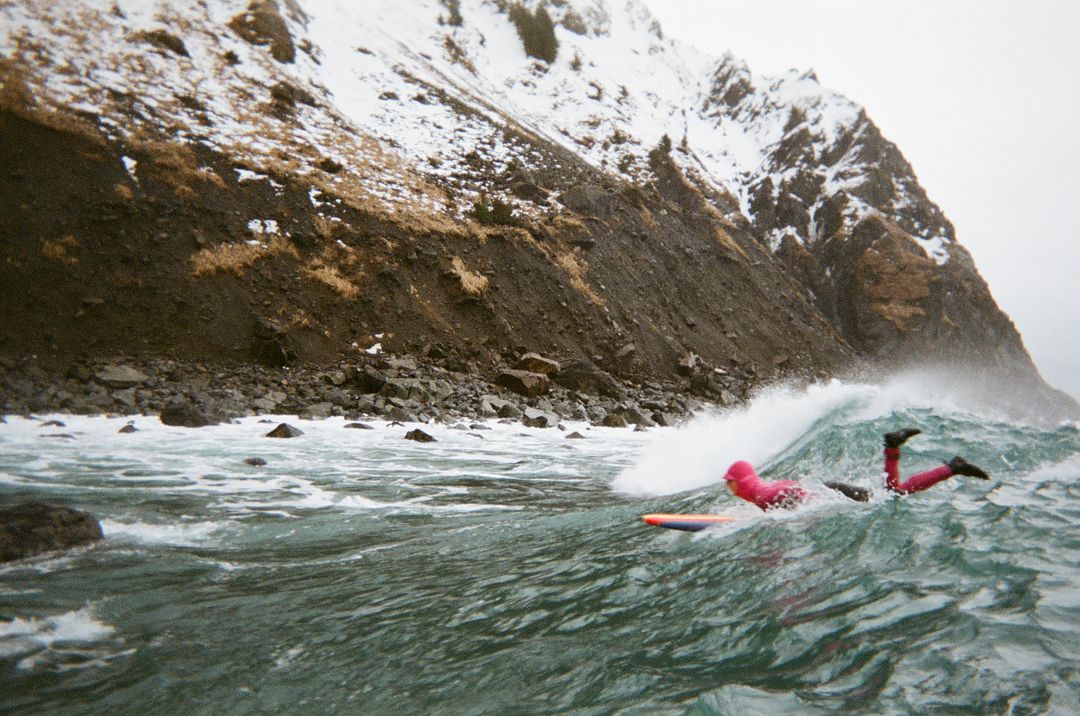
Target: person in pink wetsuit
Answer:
[[744, 482]]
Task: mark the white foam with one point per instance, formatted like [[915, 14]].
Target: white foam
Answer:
[[22, 636], [177, 534], [699, 453]]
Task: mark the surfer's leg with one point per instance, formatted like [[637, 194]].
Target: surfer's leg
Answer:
[[892, 468], [924, 480], [893, 441]]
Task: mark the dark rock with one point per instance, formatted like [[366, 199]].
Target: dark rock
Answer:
[[586, 377], [535, 418], [419, 436], [369, 381], [359, 426], [664, 419], [478, 426], [575, 436], [687, 364], [509, 410], [614, 420], [524, 382], [284, 430], [53, 424], [129, 428], [182, 412], [120, 376], [254, 461], [34, 528], [535, 363], [318, 411]]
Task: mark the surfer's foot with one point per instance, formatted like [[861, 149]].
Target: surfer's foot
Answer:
[[850, 491], [898, 437], [960, 466]]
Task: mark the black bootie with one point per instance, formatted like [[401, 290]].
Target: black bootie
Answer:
[[898, 437], [962, 467]]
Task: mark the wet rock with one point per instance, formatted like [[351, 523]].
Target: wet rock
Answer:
[[129, 428], [575, 436], [664, 419], [254, 461], [34, 528], [509, 410], [524, 382], [317, 411], [419, 436], [181, 411], [535, 363], [53, 424], [359, 426], [284, 430], [536, 418], [120, 376], [613, 420]]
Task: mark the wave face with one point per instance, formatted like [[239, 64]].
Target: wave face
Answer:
[[507, 570]]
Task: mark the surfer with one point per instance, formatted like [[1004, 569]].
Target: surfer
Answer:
[[744, 482]]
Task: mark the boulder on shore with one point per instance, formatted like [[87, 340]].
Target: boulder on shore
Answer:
[[524, 382], [35, 528], [536, 363], [185, 413]]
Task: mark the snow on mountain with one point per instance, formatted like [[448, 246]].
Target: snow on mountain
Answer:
[[659, 202], [405, 100]]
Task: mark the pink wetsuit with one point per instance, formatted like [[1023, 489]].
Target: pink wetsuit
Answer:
[[767, 494], [915, 483], [763, 493]]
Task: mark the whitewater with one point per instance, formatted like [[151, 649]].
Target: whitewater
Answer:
[[506, 569]]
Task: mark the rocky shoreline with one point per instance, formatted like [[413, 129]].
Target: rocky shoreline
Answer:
[[532, 389]]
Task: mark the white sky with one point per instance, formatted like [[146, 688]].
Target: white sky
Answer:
[[981, 96]]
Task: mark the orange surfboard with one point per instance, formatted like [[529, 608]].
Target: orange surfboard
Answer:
[[687, 523]]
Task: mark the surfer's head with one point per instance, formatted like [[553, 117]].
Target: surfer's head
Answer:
[[740, 474]]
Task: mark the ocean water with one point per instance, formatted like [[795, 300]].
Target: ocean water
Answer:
[[507, 570]]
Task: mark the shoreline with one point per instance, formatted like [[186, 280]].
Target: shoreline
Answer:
[[385, 386]]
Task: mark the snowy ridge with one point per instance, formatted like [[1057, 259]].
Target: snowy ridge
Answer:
[[406, 101]]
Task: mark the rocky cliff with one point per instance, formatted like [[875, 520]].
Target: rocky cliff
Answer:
[[298, 180]]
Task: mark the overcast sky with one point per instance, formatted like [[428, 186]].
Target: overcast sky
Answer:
[[981, 96]]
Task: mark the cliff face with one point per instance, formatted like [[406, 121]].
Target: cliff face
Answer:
[[295, 180]]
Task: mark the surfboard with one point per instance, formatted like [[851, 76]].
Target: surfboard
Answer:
[[687, 523]]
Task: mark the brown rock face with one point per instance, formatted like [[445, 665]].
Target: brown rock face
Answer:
[[34, 528]]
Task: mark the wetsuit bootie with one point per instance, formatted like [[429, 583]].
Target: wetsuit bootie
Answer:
[[962, 467], [898, 437]]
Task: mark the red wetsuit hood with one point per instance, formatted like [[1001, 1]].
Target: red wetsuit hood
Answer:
[[763, 493]]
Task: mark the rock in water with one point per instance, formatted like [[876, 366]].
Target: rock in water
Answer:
[[359, 426], [34, 528], [254, 461], [284, 430], [129, 428], [419, 436]]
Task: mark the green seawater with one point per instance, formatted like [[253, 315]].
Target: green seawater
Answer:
[[507, 570]]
